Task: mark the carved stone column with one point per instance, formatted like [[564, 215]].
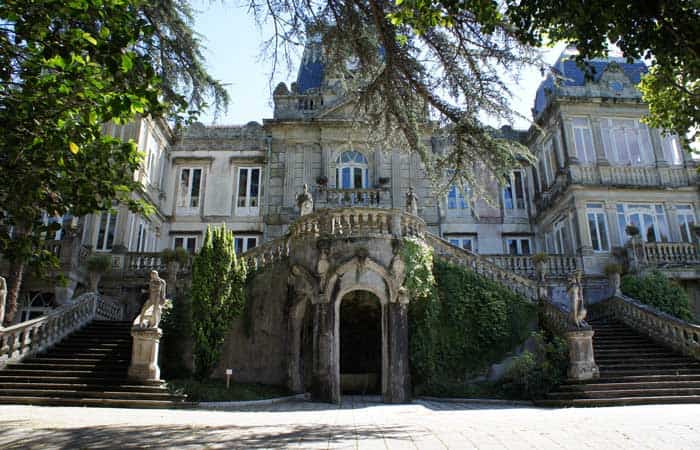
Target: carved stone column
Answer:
[[398, 379], [582, 364], [326, 371], [144, 354]]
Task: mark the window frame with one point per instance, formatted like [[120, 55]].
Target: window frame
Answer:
[[245, 242], [624, 211], [185, 242], [513, 191], [683, 212], [461, 240], [110, 226], [188, 209], [585, 150], [248, 209], [598, 211], [614, 128], [518, 240], [357, 163]]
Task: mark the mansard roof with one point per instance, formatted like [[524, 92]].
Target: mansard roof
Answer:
[[573, 75], [312, 67]]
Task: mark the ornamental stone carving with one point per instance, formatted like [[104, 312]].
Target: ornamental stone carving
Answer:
[[152, 310], [411, 201]]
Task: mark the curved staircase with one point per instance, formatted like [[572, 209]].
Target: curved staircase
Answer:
[[634, 370], [87, 368]]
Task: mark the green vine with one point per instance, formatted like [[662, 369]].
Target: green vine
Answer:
[[418, 258]]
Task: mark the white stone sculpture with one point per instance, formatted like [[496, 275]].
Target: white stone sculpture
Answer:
[[3, 297], [153, 308], [411, 201], [577, 307], [305, 201]]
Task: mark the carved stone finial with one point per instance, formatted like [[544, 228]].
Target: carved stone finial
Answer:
[[305, 201], [411, 201]]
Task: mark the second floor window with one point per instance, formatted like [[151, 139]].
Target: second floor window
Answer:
[[105, 231], [352, 171], [189, 243], [583, 140], [457, 198], [248, 195], [650, 220], [686, 222], [518, 246], [244, 243], [598, 227], [626, 141], [465, 242], [514, 191], [189, 191]]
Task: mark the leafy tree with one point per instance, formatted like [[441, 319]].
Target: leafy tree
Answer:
[[218, 297], [455, 75], [662, 32], [66, 68]]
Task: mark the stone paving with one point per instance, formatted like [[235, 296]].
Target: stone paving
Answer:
[[359, 422]]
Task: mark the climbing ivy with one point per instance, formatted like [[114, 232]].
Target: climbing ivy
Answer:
[[657, 290], [418, 258], [218, 297], [461, 326]]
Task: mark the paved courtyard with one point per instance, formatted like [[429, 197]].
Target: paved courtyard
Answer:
[[358, 423]]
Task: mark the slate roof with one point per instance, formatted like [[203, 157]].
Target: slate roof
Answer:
[[574, 75], [312, 67]]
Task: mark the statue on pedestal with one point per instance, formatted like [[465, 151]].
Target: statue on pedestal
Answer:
[[305, 201], [411, 201], [577, 307], [153, 308]]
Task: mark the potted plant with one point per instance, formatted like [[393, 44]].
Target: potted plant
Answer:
[[632, 230], [322, 180], [383, 181], [540, 262], [174, 259], [613, 271], [97, 265]]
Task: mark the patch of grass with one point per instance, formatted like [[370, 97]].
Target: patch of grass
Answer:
[[214, 390]]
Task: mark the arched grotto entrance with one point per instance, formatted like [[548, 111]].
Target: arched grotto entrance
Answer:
[[360, 343]]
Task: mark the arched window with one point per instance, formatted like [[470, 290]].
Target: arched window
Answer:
[[36, 305], [352, 171]]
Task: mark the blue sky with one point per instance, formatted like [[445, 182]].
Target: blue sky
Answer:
[[233, 45]]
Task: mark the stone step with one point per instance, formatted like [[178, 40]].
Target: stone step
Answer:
[[637, 372], [674, 383], [626, 348], [634, 359], [111, 394], [69, 373], [107, 402], [90, 355], [648, 378], [621, 401], [68, 359], [89, 379], [617, 393], [113, 386], [107, 365], [650, 365]]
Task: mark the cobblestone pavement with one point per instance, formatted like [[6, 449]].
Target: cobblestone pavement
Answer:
[[360, 422]]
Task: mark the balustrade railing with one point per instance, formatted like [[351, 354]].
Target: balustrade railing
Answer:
[[358, 222], [266, 254], [661, 327], [555, 317], [483, 266], [556, 266], [142, 262], [660, 253], [342, 198], [631, 175], [36, 335]]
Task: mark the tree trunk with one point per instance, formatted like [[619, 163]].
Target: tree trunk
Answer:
[[14, 282]]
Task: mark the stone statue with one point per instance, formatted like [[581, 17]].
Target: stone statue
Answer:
[[411, 201], [305, 201], [577, 306], [3, 297], [152, 309]]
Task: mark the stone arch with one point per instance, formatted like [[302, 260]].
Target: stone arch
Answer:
[[360, 274]]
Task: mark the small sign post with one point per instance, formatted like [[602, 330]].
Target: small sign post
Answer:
[[229, 372]]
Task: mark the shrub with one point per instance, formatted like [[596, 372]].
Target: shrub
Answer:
[[465, 323], [533, 374], [177, 329], [99, 263], [656, 290], [218, 297]]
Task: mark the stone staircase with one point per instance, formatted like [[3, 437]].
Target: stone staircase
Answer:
[[634, 370], [87, 368]]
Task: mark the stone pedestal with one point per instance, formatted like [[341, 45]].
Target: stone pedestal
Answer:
[[398, 383], [144, 354], [326, 374], [582, 364]]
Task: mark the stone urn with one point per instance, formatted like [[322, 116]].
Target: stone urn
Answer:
[[97, 265]]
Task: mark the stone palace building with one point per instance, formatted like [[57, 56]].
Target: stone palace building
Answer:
[[599, 168]]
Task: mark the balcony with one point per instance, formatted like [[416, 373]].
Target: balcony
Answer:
[[557, 265], [344, 198], [663, 254]]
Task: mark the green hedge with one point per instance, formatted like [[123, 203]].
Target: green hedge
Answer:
[[465, 323], [656, 290]]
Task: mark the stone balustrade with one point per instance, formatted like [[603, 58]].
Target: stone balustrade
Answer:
[[674, 253], [36, 335], [342, 198], [266, 254], [631, 175], [483, 266], [555, 317], [557, 265], [661, 327], [142, 262], [366, 222]]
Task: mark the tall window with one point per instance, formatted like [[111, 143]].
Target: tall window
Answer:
[[188, 198], [352, 171], [649, 219], [465, 242], [598, 227], [457, 200], [244, 243], [189, 243], [686, 222], [583, 140], [105, 233], [514, 191], [518, 246], [248, 196], [672, 149], [626, 141], [560, 242]]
